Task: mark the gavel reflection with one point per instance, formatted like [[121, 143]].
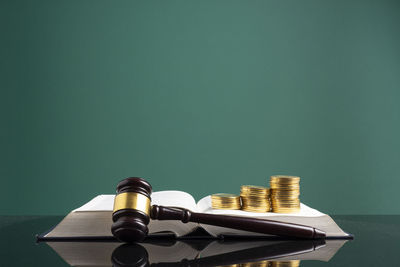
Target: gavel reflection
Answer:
[[133, 210], [267, 254]]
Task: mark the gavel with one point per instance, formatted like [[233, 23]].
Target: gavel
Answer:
[[133, 210]]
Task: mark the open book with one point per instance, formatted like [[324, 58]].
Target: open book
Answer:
[[94, 219]]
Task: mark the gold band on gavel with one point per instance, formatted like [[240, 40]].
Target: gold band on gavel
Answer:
[[134, 201]]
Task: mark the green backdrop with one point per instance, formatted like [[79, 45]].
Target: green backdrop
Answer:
[[200, 96]]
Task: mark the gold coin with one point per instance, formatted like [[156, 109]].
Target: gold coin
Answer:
[[285, 210], [255, 204], [285, 193], [284, 189], [254, 189], [255, 209], [285, 178], [284, 186], [277, 183], [284, 200], [283, 203], [285, 206], [224, 195]]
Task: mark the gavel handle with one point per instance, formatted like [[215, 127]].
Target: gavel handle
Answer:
[[262, 226]]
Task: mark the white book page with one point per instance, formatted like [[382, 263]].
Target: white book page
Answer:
[[164, 198], [99, 203]]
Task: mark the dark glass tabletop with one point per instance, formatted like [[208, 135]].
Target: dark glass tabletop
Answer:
[[376, 243]]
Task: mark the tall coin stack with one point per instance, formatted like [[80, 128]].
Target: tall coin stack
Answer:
[[255, 198], [285, 192], [225, 201]]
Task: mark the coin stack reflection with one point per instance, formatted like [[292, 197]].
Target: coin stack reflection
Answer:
[[255, 198], [267, 263], [256, 264], [292, 263], [285, 192]]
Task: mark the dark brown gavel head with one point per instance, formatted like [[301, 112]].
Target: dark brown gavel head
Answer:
[[131, 213]]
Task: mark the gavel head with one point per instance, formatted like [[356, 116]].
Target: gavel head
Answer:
[[131, 213]]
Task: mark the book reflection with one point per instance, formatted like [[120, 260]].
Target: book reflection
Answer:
[[201, 252]]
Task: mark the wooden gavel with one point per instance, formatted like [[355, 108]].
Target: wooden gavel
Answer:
[[133, 210]]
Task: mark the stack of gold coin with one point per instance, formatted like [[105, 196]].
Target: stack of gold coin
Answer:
[[225, 201], [285, 192], [292, 263], [255, 198]]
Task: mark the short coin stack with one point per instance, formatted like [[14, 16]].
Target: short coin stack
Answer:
[[225, 201], [255, 198], [285, 192]]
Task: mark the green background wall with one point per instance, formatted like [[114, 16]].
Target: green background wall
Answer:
[[200, 96]]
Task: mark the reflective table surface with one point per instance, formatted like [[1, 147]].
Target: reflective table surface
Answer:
[[376, 243]]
